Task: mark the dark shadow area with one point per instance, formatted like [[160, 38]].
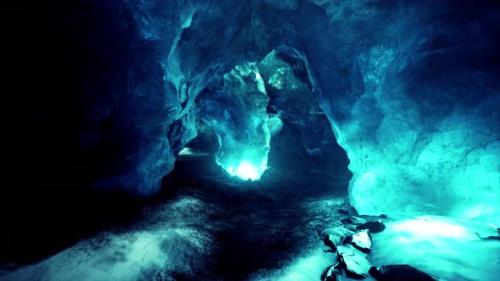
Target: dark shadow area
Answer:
[[52, 56], [325, 163]]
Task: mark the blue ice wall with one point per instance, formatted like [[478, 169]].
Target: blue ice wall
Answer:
[[413, 95]]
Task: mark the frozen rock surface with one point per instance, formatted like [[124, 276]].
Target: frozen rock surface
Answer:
[[353, 220], [336, 235], [356, 263], [362, 241], [162, 246], [332, 273]]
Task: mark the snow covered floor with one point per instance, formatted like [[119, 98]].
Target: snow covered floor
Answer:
[[189, 239], [183, 243], [208, 230], [166, 245]]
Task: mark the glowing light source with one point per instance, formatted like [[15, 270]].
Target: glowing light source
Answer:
[[430, 227], [243, 129], [246, 171]]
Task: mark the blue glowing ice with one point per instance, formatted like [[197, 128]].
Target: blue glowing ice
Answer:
[[237, 114]]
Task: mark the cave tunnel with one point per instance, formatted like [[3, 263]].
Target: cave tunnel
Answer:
[[250, 140]]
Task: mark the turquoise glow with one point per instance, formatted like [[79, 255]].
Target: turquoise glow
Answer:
[[249, 161], [246, 170]]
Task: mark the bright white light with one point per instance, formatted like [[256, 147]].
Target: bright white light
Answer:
[[251, 168], [247, 171], [441, 246], [429, 227]]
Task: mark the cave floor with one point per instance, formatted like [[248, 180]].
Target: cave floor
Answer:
[[262, 226], [210, 227], [206, 226]]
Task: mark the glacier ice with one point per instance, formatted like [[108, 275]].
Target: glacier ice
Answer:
[[410, 89], [412, 156]]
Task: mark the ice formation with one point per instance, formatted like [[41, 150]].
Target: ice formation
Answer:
[[238, 116]]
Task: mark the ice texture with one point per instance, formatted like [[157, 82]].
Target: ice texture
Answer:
[[419, 122]]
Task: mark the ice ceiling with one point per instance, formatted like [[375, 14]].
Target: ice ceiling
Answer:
[[410, 88]]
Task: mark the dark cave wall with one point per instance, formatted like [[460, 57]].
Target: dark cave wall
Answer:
[[87, 122], [85, 96]]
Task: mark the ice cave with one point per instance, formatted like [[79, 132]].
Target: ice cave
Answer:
[[259, 140]]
